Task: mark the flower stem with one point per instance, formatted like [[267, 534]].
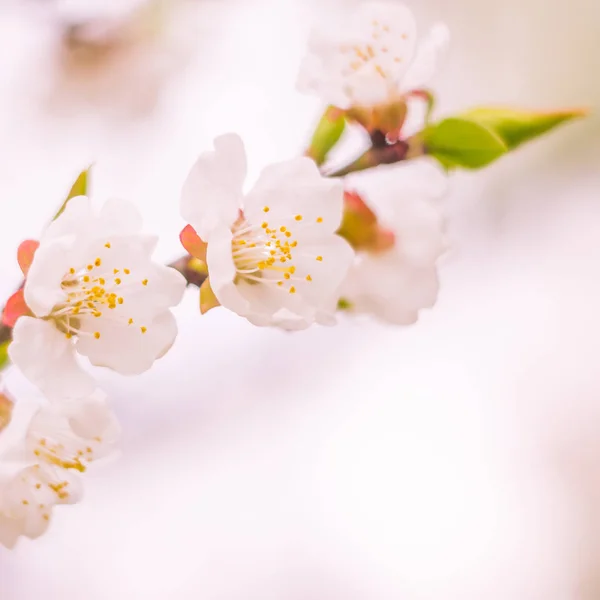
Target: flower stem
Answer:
[[380, 154], [185, 265]]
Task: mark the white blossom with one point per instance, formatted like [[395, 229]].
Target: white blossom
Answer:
[[41, 451], [94, 290], [395, 284], [371, 57], [272, 254]]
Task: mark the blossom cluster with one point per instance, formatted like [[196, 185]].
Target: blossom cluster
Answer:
[[298, 247]]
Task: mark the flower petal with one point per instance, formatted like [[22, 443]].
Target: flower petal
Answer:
[[127, 349], [222, 272], [43, 289], [193, 243], [426, 60], [212, 193], [25, 254], [15, 307], [295, 188], [47, 358], [78, 216]]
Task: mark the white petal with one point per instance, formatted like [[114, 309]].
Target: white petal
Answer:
[[212, 193], [327, 274], [73, 433], [363, 63], [43, 284], [127, 349], [47, 358], [425, 63], [118, 217], [295, 188], [223, 273], [78, 216]]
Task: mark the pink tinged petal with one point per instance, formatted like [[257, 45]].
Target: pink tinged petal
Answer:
[[212, 193], [25, 254], [10, 531], [295, 188], [47, 358], [427, 57], [128, 349], [15, 307], [192, 243]]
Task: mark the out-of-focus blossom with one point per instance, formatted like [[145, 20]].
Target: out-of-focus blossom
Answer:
[[272, 254], [94, 290], [371, 60], [394, 284], [41, 450]]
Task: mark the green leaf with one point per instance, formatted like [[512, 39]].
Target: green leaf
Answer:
[[4, 354], [516, 126], [460, 142], [79, 188], [326, 135]]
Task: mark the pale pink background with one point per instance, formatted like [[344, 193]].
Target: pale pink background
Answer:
[[457, 459]]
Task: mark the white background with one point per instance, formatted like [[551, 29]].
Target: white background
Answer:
[[458, 458]]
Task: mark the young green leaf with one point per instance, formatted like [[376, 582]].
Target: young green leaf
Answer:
[[516, 126], [460, 142], [326, 135], [79, 188]]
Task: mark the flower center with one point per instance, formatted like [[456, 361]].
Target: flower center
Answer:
[[265, 253], [93, 292], [380, 55]]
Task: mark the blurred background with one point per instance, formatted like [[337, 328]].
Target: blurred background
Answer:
[[455, 459]]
